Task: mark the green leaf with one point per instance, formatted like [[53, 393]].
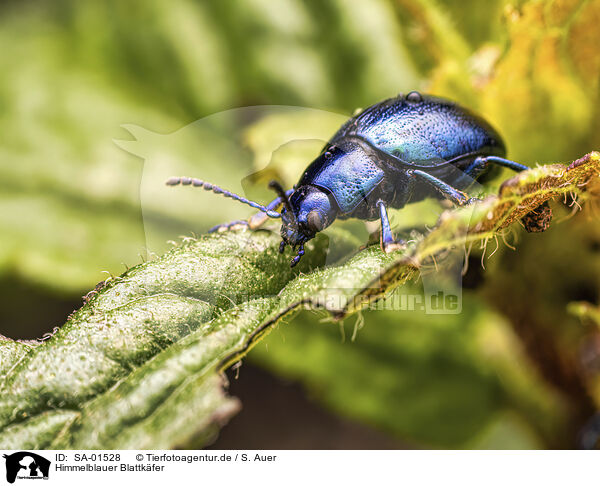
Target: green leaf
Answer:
[[144, 355], [431, 380], [401, 370]]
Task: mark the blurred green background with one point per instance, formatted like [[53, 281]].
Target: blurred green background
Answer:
[[514, 370]]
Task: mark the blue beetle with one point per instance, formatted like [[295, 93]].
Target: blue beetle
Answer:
[[398, 151]]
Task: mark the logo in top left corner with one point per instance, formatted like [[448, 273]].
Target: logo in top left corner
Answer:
[[26, 465]]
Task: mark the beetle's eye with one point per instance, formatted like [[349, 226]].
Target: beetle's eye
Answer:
[[314, 221]]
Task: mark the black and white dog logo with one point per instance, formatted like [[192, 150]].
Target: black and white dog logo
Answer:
[[27, 465]]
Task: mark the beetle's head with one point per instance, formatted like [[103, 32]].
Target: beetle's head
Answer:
[[310, 210]]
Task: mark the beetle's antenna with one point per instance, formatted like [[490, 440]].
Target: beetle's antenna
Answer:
[[283, 196], [186, 181]]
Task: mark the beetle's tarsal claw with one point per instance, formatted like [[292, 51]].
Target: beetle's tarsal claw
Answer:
[[281, 246], [394, 246], [299, 255]]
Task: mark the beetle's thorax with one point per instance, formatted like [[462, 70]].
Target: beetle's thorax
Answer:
[[312, 211]]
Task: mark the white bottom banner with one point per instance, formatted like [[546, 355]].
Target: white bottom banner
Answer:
[[300, 467]]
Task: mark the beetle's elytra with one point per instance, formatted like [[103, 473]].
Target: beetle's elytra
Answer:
[[398, 151]]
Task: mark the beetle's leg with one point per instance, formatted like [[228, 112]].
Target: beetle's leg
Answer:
[[479, 165], [298, 256], [492, 159], [456, 196], [255, 221], [388, 244], [228, 226]]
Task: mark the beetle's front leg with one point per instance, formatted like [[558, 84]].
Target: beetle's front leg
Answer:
[[255, 221], [388, 244], [232, 225]]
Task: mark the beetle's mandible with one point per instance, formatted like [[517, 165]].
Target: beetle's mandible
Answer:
[[398, 151]]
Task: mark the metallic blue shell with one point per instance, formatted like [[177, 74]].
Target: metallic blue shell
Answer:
[[422, 130], [399, 134], [348, 175]]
